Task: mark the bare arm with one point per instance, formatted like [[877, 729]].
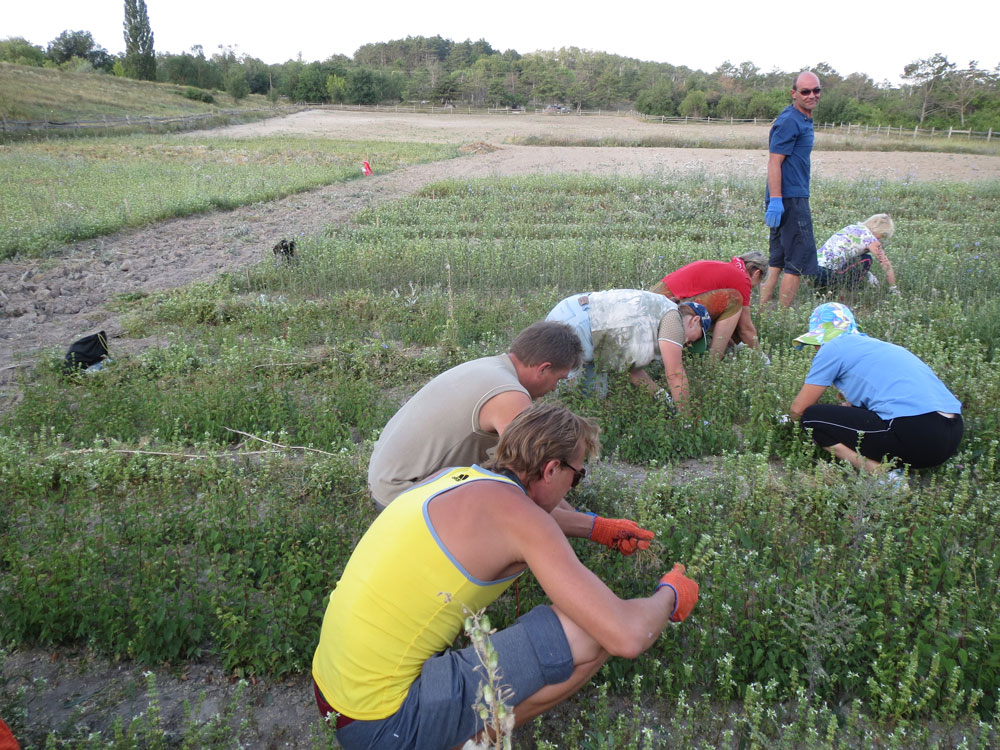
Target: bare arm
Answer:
[[808, 396], [677, 378], [879, 252], [499, 411], [572, 522], [746, 329], [640, 378], [774, 174], [495, 530], [623, 627]]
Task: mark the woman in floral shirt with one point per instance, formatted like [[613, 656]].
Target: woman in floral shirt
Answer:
[[846, 258]]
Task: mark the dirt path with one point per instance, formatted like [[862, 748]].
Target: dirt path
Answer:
[[50, 303]]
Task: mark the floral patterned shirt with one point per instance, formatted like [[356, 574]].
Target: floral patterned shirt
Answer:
[[844, 246]]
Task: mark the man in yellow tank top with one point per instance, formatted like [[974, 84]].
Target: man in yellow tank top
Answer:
[[453, 544]]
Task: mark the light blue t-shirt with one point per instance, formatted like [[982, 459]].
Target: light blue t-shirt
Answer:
[[881, 377]]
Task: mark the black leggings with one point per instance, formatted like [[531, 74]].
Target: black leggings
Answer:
[[921, 441]]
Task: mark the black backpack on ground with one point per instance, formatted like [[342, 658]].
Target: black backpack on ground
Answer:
[[86, 352]]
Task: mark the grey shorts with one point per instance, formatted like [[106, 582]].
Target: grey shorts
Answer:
[[437, 712]]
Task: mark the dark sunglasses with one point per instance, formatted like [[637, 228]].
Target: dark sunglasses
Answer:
[[806, 92], [578, 474]]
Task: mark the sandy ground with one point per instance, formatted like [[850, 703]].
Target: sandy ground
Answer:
[[50, 303]]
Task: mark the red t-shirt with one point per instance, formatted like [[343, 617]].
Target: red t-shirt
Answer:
[[705, 275]]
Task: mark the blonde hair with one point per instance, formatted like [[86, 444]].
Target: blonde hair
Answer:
[[543, 433], [881, 225]]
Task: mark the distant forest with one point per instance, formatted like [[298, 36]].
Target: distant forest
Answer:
[[936, 93]]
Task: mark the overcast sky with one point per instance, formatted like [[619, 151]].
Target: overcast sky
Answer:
[[876, 38]]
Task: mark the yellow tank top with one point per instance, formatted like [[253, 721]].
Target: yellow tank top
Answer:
[[399, 601]]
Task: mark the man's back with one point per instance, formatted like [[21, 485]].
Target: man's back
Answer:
[[439, 426]]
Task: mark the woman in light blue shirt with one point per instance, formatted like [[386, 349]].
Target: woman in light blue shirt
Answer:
[[895, 408]]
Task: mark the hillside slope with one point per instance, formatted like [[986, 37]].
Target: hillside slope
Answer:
[[29, 93]]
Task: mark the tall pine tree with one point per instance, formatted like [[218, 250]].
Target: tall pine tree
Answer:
[[140, 61]]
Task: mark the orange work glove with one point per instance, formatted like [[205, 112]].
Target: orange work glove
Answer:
[[685, 592], [620, 534], [7, 741]]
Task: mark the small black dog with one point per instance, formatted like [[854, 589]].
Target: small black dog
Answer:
[[284, 251]]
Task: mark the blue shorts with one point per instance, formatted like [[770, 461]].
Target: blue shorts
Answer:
[[792, 245], [437, 712]]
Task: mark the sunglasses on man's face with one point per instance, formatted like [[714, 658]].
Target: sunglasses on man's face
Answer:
[[578, 474], [806, 92]]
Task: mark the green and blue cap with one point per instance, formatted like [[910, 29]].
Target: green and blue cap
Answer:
[[827, 322]]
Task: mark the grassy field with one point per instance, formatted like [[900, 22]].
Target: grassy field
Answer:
[[141, 518], [60, 191]]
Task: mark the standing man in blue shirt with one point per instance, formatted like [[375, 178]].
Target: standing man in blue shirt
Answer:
[[792, 246]]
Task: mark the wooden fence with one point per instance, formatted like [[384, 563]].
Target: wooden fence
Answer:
[[901, 132], [843, 127]]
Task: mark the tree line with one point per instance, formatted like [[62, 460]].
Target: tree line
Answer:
[[936, 92]]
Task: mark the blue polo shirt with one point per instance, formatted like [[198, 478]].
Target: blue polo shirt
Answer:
[[881, 377], [792, 135]]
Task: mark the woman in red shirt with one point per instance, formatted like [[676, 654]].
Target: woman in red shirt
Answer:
[[724, 289]]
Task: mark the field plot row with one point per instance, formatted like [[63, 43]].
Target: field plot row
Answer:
[[141, 518]]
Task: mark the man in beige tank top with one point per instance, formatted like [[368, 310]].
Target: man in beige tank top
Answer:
[[460, 414]]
